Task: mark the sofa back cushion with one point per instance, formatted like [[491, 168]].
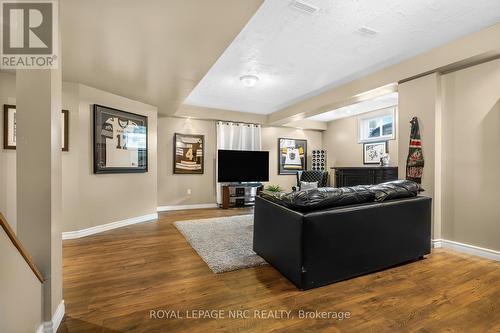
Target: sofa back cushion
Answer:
[[323, 197], [397, 189], [330, 197]]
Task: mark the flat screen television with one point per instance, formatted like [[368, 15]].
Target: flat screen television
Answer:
[[243, 166]]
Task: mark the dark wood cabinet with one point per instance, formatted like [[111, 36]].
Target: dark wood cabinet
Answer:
[[371, 175]]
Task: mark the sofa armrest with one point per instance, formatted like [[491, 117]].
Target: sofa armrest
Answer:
[[278, 238]]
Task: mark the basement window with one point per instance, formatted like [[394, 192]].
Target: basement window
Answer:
[[377, 126]]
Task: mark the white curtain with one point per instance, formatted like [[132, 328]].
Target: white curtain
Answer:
[[236, 136]]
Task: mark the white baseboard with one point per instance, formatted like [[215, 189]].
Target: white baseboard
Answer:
[[40, 329], [108, 226], [53, 325], [58, 316], [466, 248], [185, 207]]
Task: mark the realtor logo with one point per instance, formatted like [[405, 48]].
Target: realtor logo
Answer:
[[29, 32]]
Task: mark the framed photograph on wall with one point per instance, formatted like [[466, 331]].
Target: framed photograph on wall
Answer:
[[120, 141], [292, 156], [189, 153], [373, 151], [65, 130], [10, 128]]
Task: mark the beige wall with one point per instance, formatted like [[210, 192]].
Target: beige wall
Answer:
[[420, 98], [71, 162], [88, 200], [7, 157], [173, 189], [39, 177], [471, 160], [91, 200], [270, 137], [20, 290], [341, 141]]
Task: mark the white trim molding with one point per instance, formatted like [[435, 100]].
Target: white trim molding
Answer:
[[53, 325], [58, 316], [41, 329], [108, 226], [186, 207], [466, 248]]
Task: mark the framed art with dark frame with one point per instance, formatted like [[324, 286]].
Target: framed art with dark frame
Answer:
[[65, 130], [189, 154], [120, 141], [373, 151], [10, 128], [292, 156]]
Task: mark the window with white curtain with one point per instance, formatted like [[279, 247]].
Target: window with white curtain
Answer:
[[238, 136]]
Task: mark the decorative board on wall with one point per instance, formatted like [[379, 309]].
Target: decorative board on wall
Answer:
[[319, 160]]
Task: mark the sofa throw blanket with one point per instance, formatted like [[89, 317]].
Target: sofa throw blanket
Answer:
[[415, 161]]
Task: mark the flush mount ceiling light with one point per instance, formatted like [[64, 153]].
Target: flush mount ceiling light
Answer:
[[249, 80]]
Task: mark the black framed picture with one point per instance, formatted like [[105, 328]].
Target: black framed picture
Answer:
[[373, 151], [292, 156], [120, 141], [10, 128], [65, 130], [189, 153]]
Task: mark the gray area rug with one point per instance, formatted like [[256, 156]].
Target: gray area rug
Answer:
[[224, 243]]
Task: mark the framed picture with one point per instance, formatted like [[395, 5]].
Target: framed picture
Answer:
[[9, 128], [189, 153], [120, 141], [373, 151], [292, 156], [65, 130]]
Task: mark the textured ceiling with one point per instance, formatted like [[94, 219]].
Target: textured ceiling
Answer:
[[378, 103], [154, 51], [298, 55]]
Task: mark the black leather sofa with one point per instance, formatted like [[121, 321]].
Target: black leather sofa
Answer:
[[321, 236]]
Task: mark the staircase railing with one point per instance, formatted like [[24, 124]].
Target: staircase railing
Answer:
[[22, 250]]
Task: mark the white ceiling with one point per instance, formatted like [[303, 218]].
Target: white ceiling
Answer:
[[298, 55], [154, 51], [378, 103]]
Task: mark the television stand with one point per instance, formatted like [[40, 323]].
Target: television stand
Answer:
[[239, 194]]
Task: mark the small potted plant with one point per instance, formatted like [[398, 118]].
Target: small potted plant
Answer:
[[274, 188]]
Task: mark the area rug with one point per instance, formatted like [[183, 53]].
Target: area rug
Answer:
[[224, 243]]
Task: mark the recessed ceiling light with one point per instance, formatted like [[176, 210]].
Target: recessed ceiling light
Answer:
[[249, 80]]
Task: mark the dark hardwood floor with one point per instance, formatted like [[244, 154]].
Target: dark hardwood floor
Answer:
[[114, 279]]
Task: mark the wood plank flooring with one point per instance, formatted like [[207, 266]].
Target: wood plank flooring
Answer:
[[114, 279]]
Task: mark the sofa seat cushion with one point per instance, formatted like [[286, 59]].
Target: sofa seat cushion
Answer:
[[397, 189]]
